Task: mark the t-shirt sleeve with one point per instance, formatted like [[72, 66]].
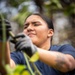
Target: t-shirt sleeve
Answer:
[[18, 57], [67, 49]]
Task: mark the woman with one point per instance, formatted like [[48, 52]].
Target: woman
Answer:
[[37, 37]]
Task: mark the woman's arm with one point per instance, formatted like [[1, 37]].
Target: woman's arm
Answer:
[[5, 55], [57, 60]]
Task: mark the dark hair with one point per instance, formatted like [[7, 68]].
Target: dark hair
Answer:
[[45, 18]]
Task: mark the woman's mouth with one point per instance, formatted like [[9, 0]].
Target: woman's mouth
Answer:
[[31, 34]]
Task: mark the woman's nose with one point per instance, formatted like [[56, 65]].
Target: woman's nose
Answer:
[[30, 27]]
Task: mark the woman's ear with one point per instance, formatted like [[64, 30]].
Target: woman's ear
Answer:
[[50, 33]]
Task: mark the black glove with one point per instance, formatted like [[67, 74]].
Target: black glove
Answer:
[[25, 44], [7, 28]]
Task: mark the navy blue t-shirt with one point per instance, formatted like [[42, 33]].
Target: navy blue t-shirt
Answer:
[[44, 68]]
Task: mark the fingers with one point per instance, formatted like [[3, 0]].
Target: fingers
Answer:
[[20, 35], [20, 46], [7, 25]]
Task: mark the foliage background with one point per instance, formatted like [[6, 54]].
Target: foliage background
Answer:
[[62, 12]]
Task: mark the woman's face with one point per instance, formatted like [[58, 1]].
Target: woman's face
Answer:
[[36, 28]]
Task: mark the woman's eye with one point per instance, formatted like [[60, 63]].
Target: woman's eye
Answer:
[[36, 24], [25, 26]]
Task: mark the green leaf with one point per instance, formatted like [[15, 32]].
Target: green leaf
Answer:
[[34, 58], [26, 72], [20, 18], [17, 70], [9, 70]]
